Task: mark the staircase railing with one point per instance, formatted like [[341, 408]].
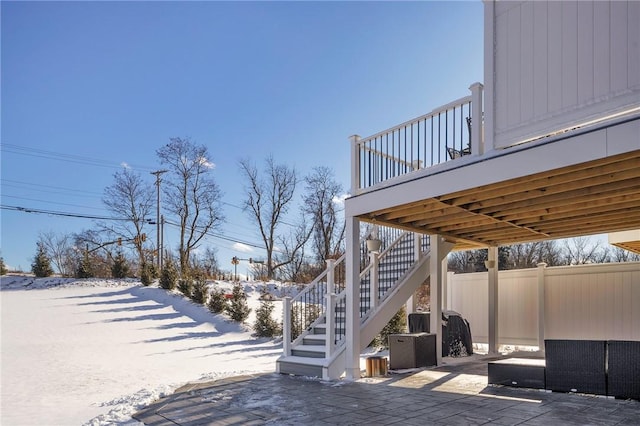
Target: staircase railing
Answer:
[[324, 299], [309, 307]]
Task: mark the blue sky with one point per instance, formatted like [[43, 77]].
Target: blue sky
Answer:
[[113, 81]]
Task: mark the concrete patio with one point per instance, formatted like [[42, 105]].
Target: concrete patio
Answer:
[[453, 394]]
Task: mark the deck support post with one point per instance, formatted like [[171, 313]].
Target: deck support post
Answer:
[[352, 359], [439, 251], [541, 272], [492, 267]]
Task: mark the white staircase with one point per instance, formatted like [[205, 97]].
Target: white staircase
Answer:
[[315, 320]]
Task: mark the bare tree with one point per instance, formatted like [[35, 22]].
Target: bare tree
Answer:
[[619, 254], [60, 249], [321, 203], [192, 194], [268, 200], [210, 262], [528, 255], [581, 250], [131, 199], [293, 251]]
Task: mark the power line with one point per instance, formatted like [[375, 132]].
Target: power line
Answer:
[[59, 213], [95, 217], [18, 184], [49, 202], [52, 155], [222, 237]]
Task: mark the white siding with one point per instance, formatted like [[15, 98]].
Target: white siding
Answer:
[[558, 64]]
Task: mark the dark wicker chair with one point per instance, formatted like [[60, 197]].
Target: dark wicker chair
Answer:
[[623, 379], [576, 366]]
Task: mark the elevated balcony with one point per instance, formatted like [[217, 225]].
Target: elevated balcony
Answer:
[[437, 174]]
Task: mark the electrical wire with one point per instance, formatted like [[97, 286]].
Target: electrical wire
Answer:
[[52, 155], [59, 213], [20, 184]]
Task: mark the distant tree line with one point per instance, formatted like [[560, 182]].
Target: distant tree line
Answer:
[[573, 251], [192, 201]]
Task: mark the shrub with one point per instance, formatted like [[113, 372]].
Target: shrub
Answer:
[[217, 301], [200, 291], [3, 267], [238, 309], [146, 274], [41, 266], [265, 325], [397, 324], [169, 275], [120, 268], [85, 268], [185, 286]]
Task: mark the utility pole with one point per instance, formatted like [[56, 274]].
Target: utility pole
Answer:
[[161, 244], [157, 174]]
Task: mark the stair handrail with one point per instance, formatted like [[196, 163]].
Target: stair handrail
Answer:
[[313, 316]]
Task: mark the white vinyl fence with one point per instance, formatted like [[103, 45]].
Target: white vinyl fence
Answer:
[[599, 302]]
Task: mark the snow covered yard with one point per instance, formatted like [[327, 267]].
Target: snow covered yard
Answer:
[[94, 351]]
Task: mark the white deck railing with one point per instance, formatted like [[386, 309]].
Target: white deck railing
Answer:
[[443, 134]]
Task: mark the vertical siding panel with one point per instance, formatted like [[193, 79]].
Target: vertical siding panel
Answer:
[[635, 302], [513, 67], [633, 25], [595, 311], [619, 295], [585, 52], [618, 46], [601, 51], [540, 58], [526, 62], [554, 56], [608, 303], [619, 315], [500, 81], [569, 53]]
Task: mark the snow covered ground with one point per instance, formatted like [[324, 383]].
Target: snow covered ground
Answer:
[[95, 351]]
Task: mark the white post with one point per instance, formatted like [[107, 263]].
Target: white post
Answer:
[[435, 319], [477, 142], [286, 326], [541, 316], [374, 258], [330, 311], [489, 70], [439, 250], [445, 282], [355, 164], [331, 265], [352, 361], [492, 267]]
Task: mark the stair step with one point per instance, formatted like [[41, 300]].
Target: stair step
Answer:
[[314, 340], [300, 366], [309, 351], [319, 329]]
